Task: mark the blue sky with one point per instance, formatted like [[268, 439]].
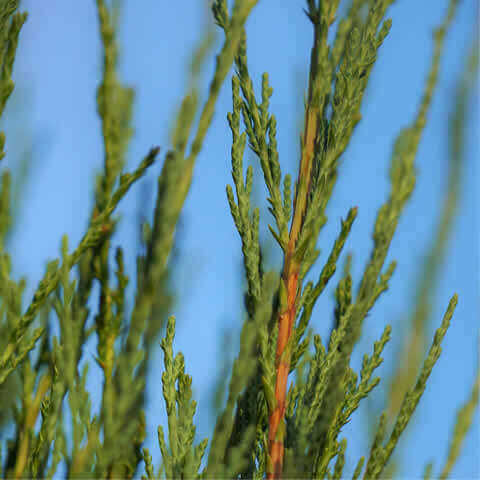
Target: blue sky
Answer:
[[53, 112]]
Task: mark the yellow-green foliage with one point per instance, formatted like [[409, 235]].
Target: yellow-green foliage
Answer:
[[40, 377]]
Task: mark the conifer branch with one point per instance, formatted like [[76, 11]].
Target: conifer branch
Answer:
[[402, 175], [463, 423], [100, 227], [379, 453], [414, 346], [322, 142], [263, 429]]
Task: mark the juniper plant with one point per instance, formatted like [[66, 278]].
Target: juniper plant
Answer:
[[286, 404]]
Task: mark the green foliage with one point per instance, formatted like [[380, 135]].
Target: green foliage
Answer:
[[182, 460], [263, 428]]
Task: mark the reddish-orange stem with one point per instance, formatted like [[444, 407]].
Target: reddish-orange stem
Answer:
[[283, 366], [287, 314]]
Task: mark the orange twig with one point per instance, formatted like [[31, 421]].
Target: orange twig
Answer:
[[287, 312]]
